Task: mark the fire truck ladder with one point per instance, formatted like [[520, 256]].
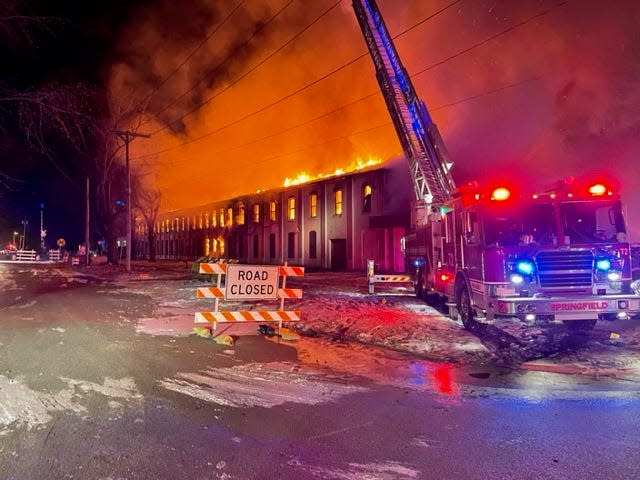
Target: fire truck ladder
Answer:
[[418, 135]]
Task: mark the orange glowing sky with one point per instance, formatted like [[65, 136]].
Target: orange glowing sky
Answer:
[[539, 87]]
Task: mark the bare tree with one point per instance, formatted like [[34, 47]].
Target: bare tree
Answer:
[[44, 113], [109, 170], [18, 29], [147, 205]]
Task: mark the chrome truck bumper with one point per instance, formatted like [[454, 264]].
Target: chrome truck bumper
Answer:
[[561, 309]]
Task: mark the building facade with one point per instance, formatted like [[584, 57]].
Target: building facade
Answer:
[[336, 223]]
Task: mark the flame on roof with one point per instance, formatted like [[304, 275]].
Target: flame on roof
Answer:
[[358, 164]]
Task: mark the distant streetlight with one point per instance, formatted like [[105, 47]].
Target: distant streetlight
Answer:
[[14, 238]]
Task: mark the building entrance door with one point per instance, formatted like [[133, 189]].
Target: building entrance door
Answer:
[[338, 254]]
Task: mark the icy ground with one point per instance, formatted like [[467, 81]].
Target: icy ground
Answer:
[[337, 307]]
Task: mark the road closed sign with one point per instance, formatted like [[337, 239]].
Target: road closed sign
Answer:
[[251, 282]]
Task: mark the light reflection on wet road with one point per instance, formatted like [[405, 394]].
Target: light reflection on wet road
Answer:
[[95, 399]]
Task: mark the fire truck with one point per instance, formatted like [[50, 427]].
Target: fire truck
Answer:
[[500, 250]]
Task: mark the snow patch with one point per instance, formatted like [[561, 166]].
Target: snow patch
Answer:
[[7, 283], [258, 385], [175, 325], [113, 388], [371, 471], [24, 305], [22, 407]]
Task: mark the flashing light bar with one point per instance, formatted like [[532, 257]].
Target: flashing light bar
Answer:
[[597, 189]]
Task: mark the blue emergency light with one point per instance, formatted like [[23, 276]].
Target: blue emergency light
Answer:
[[525, 267]]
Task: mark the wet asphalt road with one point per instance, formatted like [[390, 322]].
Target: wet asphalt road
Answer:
[[82, 395]]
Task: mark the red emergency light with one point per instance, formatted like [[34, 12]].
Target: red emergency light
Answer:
[[597, 189], [446, 277], [500, 194]]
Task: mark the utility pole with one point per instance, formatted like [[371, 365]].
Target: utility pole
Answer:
[[86, 220], [23, 243], [43, 232], [127, 136]]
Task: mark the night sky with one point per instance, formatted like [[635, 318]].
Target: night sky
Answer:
[[241, 94]]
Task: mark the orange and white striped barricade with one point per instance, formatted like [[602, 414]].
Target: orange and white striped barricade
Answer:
[[246, 283]]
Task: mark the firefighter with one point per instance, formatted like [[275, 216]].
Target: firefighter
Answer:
[[526, 239]]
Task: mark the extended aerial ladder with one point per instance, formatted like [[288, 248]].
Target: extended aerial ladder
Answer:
[[421, 142]]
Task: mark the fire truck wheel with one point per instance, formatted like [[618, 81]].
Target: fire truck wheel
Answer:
[[463, 301], [580, 325]]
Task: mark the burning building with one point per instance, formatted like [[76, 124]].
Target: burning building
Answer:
[[335, 222]]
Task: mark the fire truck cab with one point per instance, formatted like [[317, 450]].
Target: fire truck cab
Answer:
[[557, 255]]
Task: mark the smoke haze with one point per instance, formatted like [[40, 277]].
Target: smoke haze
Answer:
[[536, 88]]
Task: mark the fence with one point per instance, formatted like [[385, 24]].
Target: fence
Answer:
[[246, 283], [25, 256]]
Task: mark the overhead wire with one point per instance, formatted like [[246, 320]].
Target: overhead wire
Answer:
[[382, 125], [493, 37], [255, 67], [354, 60], [242, 45], [289, 95], [157, 88]]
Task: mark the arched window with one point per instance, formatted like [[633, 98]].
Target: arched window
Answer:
[[366, 198]]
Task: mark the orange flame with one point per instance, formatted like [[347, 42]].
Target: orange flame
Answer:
[[358, 164]]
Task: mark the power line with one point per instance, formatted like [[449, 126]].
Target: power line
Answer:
[[493, 37], [382, 125], [230, 55], [157, 88], [282, 99], [293, 127], [317, 80], [296, 92], [208, 100]]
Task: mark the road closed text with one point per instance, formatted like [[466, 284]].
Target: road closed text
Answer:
[[252, 289], [251, 282]]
